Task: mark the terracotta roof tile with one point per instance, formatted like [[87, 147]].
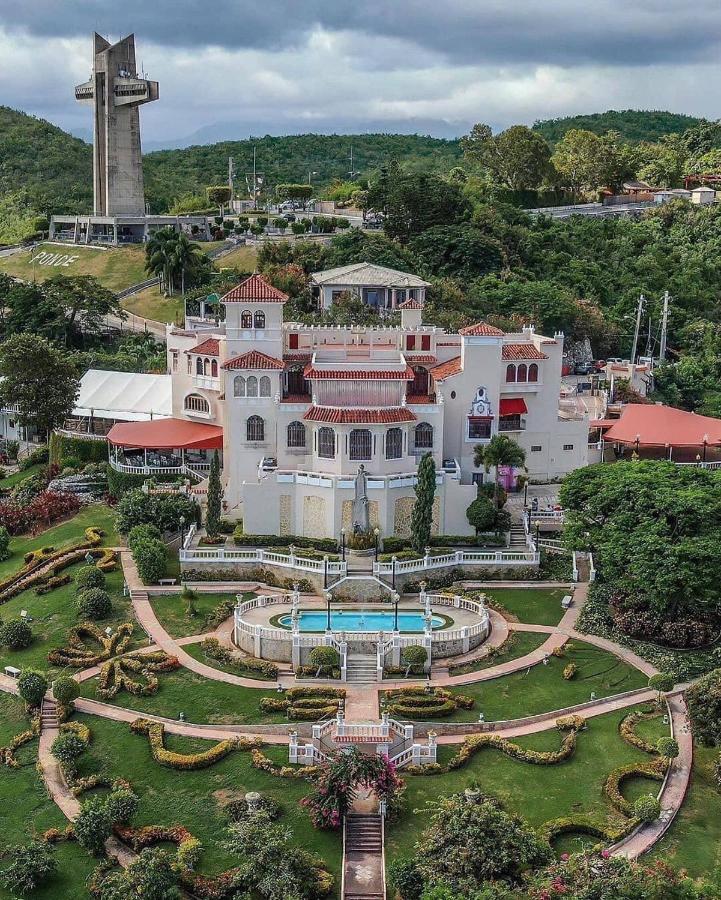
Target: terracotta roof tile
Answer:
[[209, 347], [297, 357], [254, 288], [420, 359], [410, 304], [447, 369], [359, 374], [481, 328], [351, 416], [521, 351], [254, 359]]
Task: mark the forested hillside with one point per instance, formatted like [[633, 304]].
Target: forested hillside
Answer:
[[632, 124]]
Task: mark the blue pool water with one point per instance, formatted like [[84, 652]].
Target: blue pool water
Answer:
[[371, 620]]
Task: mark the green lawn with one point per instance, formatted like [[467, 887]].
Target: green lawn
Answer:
[[543, 688], [115, 268], [54, 614], [195, 799], [171, 612], [20, 475], [538, 793], [196, 651], [62, 535], [27, 811], [519, 643], [201, 700], [151, 304], [693, 841], [535, 606]]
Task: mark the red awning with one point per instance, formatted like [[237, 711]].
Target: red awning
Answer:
[[512, 406], [167, 434], [659, 426]]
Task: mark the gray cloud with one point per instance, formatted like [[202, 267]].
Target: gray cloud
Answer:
[[476, 32]]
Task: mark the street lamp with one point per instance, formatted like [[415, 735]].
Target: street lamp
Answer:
[[327, 621], [311, 174], [325, 571], [705, 443], [396, 598], [393, 573], [342, 543], [182, 530], [376, 532]]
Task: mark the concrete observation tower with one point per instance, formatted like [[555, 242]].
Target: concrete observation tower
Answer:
[[116, 91]]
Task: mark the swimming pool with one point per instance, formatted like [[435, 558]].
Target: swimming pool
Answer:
[[368, 620]]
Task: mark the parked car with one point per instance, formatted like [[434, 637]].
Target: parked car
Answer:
[[583, 369]]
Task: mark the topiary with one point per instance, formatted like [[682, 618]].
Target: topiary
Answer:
[[32, 686], [65, 690], [93, 825], [415, 655], [150, 558], [89, 577], [94, 603], [67, 748], [16, 634], [323, 656], [647, 808], [122, 804], [668, 747]]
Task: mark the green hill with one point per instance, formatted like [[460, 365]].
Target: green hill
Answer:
[[632, 124], [171, 173]]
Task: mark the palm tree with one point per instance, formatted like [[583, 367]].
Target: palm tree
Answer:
[[499, 451], [158, 256], [185, 256]]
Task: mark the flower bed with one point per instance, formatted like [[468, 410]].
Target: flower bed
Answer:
[[79, 655], [117, 674], [305, 704], [261, 761], [187, 761], [213, 649], [7, 754], [417, 703]]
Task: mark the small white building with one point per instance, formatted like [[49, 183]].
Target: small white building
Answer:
[[703, 195], [670, 194], [377, 286]]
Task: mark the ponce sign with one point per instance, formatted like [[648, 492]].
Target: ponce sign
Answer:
[[54, 259]]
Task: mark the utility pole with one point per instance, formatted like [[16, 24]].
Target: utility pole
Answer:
[[664, 327], [352, 172], [639, 313]]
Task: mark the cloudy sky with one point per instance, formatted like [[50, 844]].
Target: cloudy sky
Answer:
[[231, 68]]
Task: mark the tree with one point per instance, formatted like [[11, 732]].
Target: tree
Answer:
[[151, 559], [67, 748], [422, 515], [83, 302], [704, 708], [517, 158], [219, 195], [296, 193], [661, 682], [668, 747], [504, 846], [32, 686], [459, 251], [15, 634], [161, 512], [414, 202], [215, 498], [586, 161], [65, 689], [499, 451], [151, 876], [27, 867], [4, 542], [40, 379], [170, 254], [414, 656], [481, 514], [93, 825], [323, 657], [646, 808]]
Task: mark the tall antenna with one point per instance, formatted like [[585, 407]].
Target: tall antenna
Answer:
[[664, 327], [352, 172], [231, 176]]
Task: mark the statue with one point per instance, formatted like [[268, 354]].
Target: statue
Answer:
[[361, 518]]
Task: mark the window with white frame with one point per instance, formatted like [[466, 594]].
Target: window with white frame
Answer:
[[423, 436], [361, 444], [296, 435], [196, 403], [255, 429], [326, 443], [252, 386], [259, 319], [394, 443], [246, 319]]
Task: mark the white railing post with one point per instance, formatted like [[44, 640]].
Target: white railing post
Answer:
[[293, 747]]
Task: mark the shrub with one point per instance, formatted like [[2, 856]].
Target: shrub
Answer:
[[67, 748], [93, 825], [324, 656], [186, 761], [405, 877], [414, 655], [570, 671], [32, 686], [481, 514], [15, 634], [27, 867], [704, 706], [150, 558], [122, 804], [667, 747], [65, 690], [4, 543], [94, 604], [647, 808], [162, 510], [89, 577], [141, 533], [661, 682]]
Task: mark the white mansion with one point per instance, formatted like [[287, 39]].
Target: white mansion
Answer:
[[297, 409]]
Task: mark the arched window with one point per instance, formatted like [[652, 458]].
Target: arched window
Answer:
[[361, 443], [296, 383], [265, 386], [259, 319], [394, 443], [239, 386], [252, 386], [198, 366], [196, 403], [522, 372], [206, 367], [510, 372], [255, 429], [214, 368], [419, 384], [296, 434], [326, 443], [424, 436], [246, 319], [533, 372]]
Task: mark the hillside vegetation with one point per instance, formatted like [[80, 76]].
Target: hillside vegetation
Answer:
[[632, 124]]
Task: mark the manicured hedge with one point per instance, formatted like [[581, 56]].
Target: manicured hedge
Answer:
[[188, 761], [324, 545], [84, 449]]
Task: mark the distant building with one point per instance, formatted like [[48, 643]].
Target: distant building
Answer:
[[377, 286], [703, 196], [669, 194]]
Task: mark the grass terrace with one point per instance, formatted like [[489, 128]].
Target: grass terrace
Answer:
[[115, 268], [11, 480], [172, 613], [536, 606], [518, 644]]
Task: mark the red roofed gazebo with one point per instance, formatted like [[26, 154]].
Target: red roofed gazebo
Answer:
[[163, 447], [651, 426]]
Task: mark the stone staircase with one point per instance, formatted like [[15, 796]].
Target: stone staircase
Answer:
[[363, 876], [49, 715], [361, 669], [518, 537]]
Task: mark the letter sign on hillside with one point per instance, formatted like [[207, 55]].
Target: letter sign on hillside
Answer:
[[55, 259]]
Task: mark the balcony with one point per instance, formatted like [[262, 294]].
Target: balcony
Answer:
[[511, 423], [206, 382]]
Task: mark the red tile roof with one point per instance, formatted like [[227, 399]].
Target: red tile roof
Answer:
[[254, 359], [447, 369], [420, 359], [297, 357], [521, 351], [481, 328], [254, 288], [359, 374], [166, 434], [659, 426], [350, 416], [410, 304], [209, 347]]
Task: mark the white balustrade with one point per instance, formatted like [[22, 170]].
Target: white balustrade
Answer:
[[259, 555], [458, 558]]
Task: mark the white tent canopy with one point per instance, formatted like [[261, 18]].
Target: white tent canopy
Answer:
[[124, 396]]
